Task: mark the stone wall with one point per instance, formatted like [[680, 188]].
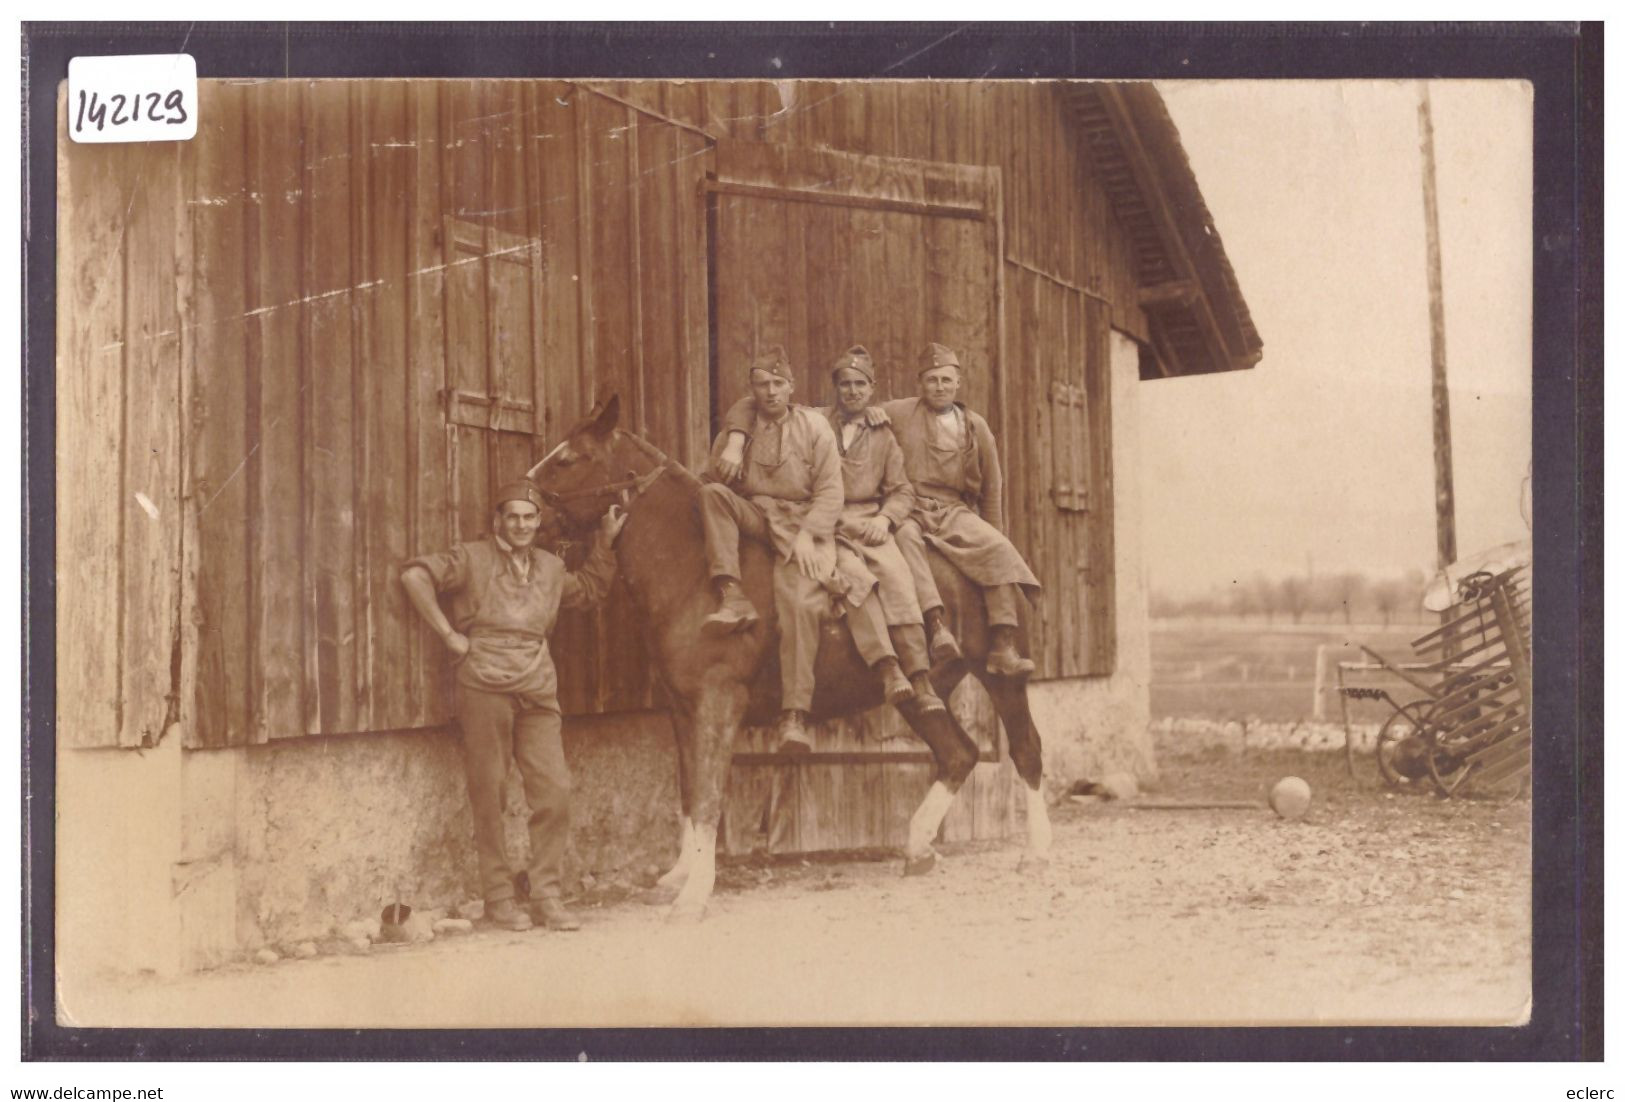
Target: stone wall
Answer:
[[171, 860]]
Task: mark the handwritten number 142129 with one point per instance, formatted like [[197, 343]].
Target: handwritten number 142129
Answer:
[[119, 109]]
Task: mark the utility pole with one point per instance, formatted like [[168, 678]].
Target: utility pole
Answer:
[[1444, 493]]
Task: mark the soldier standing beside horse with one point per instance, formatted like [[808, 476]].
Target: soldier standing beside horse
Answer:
[[505, 595]]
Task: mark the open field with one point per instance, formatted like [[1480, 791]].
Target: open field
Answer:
[[1228, 669]]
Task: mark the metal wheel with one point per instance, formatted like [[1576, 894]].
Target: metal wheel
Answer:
[[1446, 761], [1504, 789], [1402, 745]]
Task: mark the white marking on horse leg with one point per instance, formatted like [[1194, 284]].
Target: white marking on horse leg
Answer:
[[1038, 830], [702, 874], [922, 828], [678, 873]]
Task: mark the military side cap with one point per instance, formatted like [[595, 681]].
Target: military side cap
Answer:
[[774, 361], [938, 355], [520, 489], [858, 359]]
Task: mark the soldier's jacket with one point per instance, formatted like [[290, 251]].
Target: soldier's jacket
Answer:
[[792, 471], [872, 469], [967, 473], [507, 614], [958, 489]]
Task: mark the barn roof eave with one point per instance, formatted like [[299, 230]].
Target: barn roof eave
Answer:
[[1189, 292]]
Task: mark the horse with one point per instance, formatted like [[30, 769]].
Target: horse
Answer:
[[715, 685]]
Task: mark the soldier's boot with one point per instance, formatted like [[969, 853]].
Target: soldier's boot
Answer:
[[1002, 659], [549, 912], [793, 737], [507, 915], [898, 690], [944, 647], [734, 611], [927, 696]]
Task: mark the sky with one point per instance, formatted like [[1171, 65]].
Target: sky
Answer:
[[1321, 457]]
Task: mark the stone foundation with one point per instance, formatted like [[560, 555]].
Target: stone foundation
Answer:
[[171, 860]]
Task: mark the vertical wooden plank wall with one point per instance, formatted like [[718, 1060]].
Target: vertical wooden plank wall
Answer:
[[90, 394], [1101, 585], [427, 475], [386, 177], [218, 499], [278, 359], [329, 328], [150, 481], [119, 524], [318, 451], [333, 436]]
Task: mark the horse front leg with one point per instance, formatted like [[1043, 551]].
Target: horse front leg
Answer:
[[955, 754], [675, 877], [682, 724], [1027, 754], [716, 722]]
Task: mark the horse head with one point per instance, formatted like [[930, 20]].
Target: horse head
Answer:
[[584, 475]]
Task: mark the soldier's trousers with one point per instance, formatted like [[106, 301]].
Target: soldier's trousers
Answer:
[[799, 601], [496, 729], [877, 634], [1003, 601], [911, 545]]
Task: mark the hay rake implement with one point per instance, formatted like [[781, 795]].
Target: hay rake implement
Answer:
[[1469, 730]]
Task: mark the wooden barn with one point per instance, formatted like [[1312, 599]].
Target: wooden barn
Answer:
[[307, 344]]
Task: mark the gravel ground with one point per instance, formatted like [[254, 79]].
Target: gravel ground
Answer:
[[1376, 908]]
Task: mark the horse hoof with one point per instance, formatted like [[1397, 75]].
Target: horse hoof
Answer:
[[685, 914], [919, 866], [1036, 863]]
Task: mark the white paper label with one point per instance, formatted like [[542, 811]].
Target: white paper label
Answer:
[[132, 98]]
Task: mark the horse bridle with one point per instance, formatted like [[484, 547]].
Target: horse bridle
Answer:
[[630, 488]]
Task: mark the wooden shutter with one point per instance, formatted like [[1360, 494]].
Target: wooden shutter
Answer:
[[493, 364], [1069, 410], [493, 331]]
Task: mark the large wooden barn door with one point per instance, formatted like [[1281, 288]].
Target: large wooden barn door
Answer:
[[817, 250]]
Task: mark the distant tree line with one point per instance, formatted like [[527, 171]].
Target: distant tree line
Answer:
[[1349, 597]]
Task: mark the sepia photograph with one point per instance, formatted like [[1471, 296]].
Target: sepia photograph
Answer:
[[545, 553]]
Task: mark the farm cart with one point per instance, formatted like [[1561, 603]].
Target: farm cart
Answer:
[[1470, 727]]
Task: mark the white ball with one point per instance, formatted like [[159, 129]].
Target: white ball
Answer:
[[1290, 797]]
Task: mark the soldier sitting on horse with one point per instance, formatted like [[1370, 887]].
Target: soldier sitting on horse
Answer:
[[952, 462], [878, 500], [791, 496]]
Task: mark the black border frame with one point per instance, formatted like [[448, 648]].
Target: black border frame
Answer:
[[1562, 61]]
